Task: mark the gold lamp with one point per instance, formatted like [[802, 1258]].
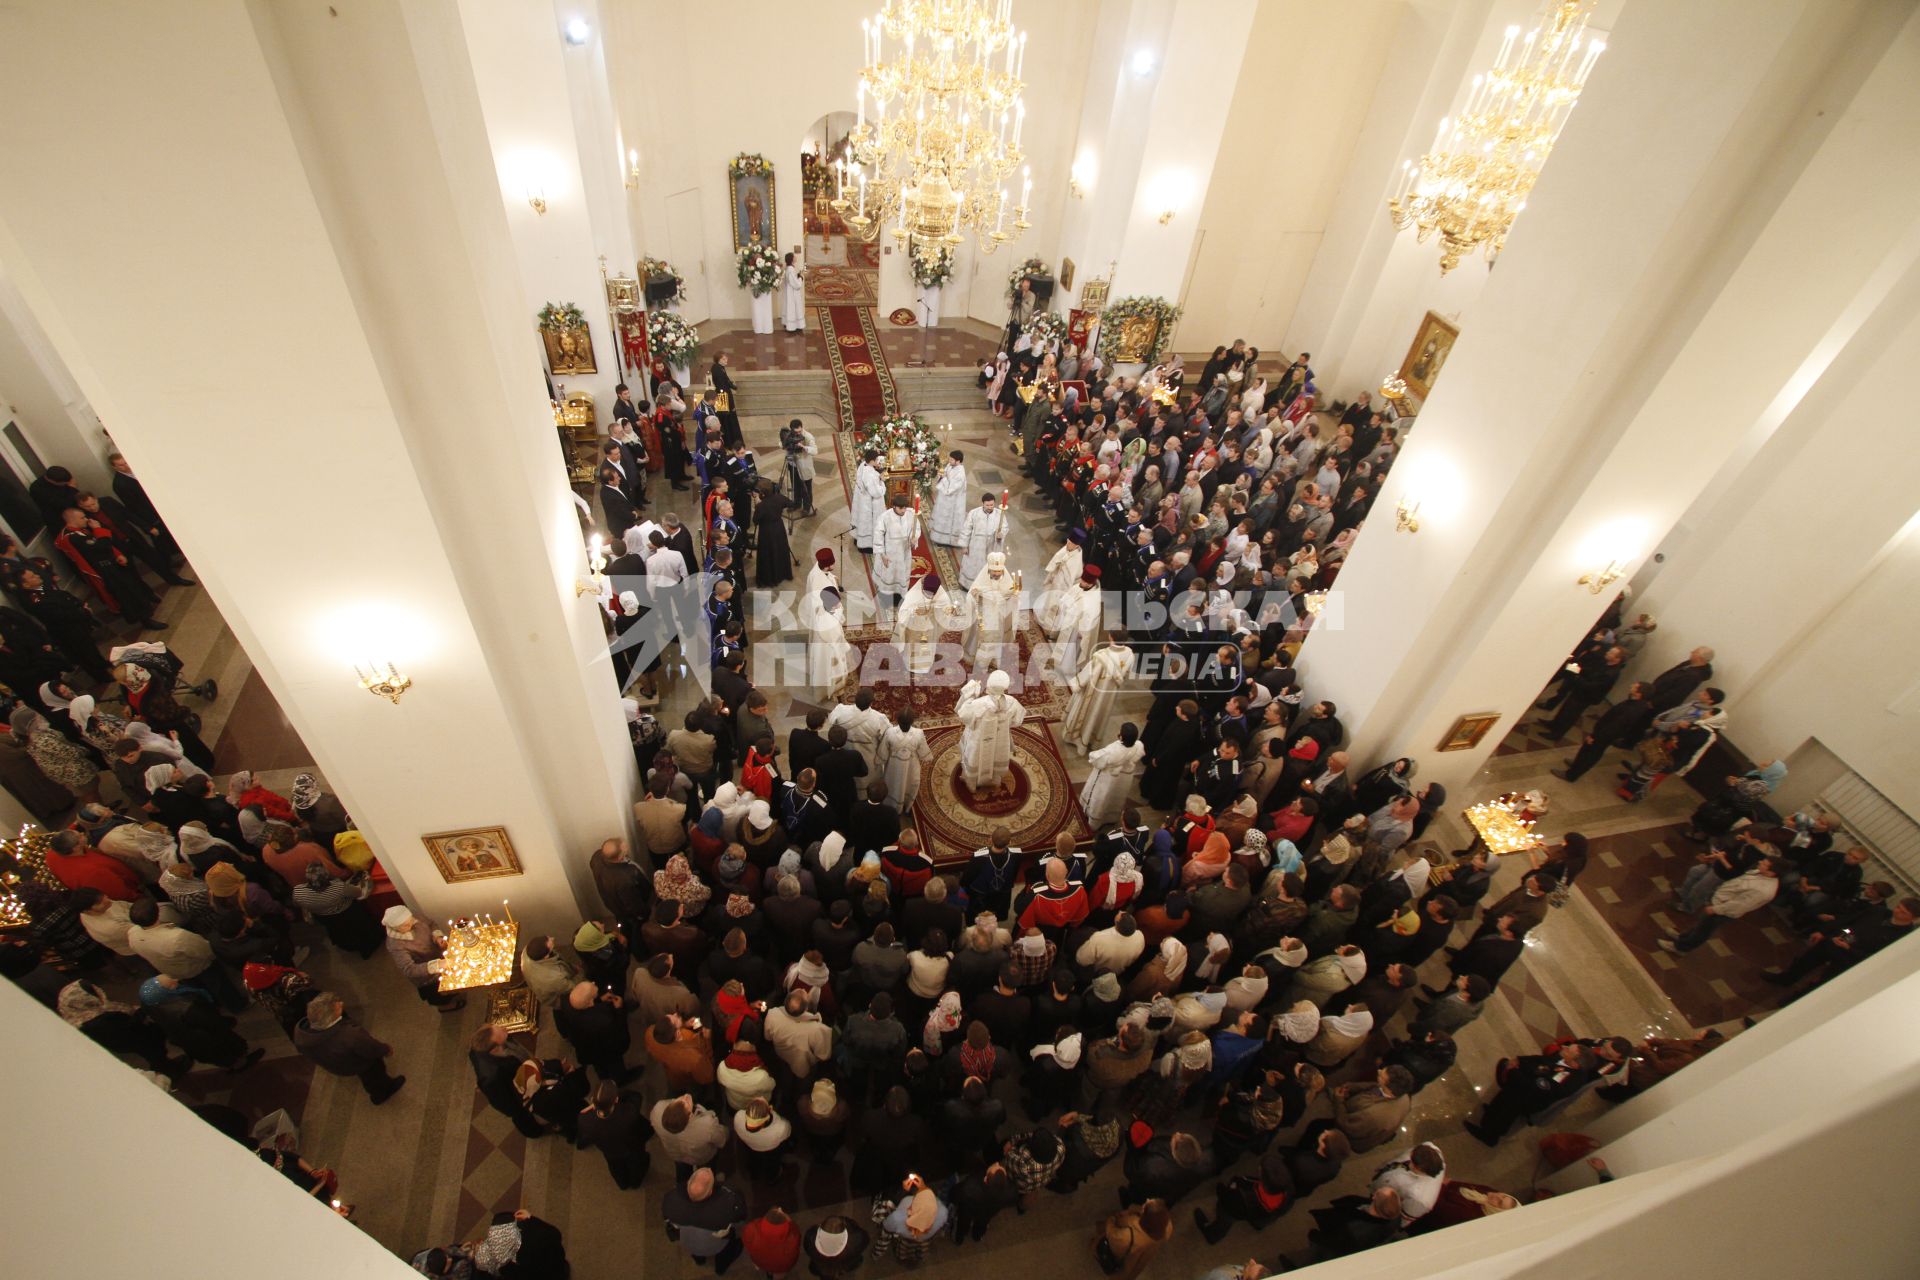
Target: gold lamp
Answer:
[[383, 680], [1406, 517], [1473, 183], [1595, 583]]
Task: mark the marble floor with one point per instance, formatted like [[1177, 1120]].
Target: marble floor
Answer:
[[429, 1167], [956, 342]]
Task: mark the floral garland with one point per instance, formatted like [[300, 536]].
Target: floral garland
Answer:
[[560, 317], [1046, 327], [931, 272], [758, 268], [748, 164], [922, 443], [671, 339], [1125, 308], [651, 267], [1031, 267]]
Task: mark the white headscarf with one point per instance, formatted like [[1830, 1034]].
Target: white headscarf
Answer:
[[1354, 966], [1300, 1023], [1173, 955], [629, 604], [158, 776], [1415, 873], [80, 709], [832, 848], [1352, 1024], [1065, 1051], [1124, 871]]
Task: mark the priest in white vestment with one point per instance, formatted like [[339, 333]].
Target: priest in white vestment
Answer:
[[984, 533], [903, 754], [793, 301], [1082, 620], [949, 502], [1063, 576], [894, 540], [869, 497], [865, 726], [1093, 688], [993, 601], [986, 742], [1115, 766], [832, 660], [819, 578], [919, 623]]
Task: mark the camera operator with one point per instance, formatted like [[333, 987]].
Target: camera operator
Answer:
[[801, 449]]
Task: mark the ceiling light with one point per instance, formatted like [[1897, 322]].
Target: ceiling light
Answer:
[[578, 32], [1144, 62]]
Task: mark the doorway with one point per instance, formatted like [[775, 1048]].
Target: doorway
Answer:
[[842, 269]]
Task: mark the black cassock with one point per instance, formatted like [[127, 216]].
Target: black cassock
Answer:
[[730, 415], [773, 555]]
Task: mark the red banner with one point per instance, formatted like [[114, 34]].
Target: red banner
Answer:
[[1078, 322]]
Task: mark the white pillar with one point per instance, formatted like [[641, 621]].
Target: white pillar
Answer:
[[323, 372], [1158, 91], [1630, 341]]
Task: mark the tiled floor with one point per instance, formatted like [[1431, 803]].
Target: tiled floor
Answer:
[[954, 343]]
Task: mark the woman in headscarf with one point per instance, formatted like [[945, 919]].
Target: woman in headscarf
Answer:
[[823, 1115], [677, 883], [243, 789], [100, 730], [915, 1222], [732, 874], [942, 1028], [1340, 1037], [1158, 1093], [1162, 974], [335, 906], [1320, 980], [1209, 863], [63, 760], [118, 1028], [553, 1094], [1116, 887], [1388, 782], [761, 838]]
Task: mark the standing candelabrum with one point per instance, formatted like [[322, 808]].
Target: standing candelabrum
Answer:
[[481, 951]]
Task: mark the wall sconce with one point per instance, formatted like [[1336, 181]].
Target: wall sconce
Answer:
[[1406, 518], [596, 579], [633, 169], [1169, 193], [537, 197], [388, 683], [1166, 216], [1080, 177], [1595, 583]]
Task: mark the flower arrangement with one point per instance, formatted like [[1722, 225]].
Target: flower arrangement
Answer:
[[1031, 267], [1114, 326], [671, 339], [748, 164], [560, 317], [1046, 327], [931, 269], [759, 268], [922, 443], [651, 267]]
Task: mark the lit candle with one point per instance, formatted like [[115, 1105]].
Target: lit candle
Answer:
[[840, 179], [1020, 63], [1019, 119], [1002, 216], [863, 195], [862, 93], [1026, 189], [866, 41]]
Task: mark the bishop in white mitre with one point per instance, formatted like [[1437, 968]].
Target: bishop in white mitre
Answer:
[[986, 741], [949, 502], [869, 497], [1092, 690], [984, 533], [993, 602]]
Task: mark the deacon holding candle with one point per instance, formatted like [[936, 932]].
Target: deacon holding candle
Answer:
[[896, 537]]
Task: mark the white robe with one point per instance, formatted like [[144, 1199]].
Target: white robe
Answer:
[[793, 306], [986, 744], [831, 657], [902, 756], [1063, 577], [992, 607], [864, 731], [1114, 769], [818, 580], [1080, 623], [949, 506], [980, 537], [918, 625], [1094, 687], [894, 539], [869, 499]]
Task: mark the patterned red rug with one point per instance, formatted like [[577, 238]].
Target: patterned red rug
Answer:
[[953, 822], [932, 704]]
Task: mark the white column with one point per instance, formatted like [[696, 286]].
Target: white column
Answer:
[[1158, 92], [1630, 341], [323, 372], [38, 393]]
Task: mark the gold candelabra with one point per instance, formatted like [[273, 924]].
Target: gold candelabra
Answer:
[[596, 568], [1473, 183], [946, 126], [1500, 826], [479, 951]]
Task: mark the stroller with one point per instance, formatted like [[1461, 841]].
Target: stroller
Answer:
[[164, 666]]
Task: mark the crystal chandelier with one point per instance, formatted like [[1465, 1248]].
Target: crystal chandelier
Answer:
[[944, 76], [1473, 183]]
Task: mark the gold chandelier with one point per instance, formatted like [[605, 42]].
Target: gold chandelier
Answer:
[[1475, 181], [944, 76]]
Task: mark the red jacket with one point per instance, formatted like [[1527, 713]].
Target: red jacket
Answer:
[[91, 869], [775, 1250], [1055, 908]]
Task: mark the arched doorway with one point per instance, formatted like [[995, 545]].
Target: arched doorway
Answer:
[[841, 269]]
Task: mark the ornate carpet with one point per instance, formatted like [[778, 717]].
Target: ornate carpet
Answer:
[[932, 704], [1044, 802]]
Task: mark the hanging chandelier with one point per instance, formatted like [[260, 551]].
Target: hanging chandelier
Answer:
[[934, 161], [1473, 183]]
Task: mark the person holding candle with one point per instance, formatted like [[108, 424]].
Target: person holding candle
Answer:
[[950, 503], [982, 533], [418, 949]]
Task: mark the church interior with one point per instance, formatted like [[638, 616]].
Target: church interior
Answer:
[[1234, 575]]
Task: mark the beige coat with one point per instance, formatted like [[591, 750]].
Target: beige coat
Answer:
[[663, 824], [801, 1040], [1368, 1118]]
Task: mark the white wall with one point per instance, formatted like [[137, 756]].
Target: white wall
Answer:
[[1309, 76], [696, 85]]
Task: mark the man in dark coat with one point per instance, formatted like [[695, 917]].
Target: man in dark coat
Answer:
[[1674, 685], [338, 1046], [1168, 1166], [623, 885], [1589, 685], [1353, 1223], [1621, 725], [834, 773], [875, 824], [140, 509], [53, 493], [595, 1024], [1531, 1085]]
